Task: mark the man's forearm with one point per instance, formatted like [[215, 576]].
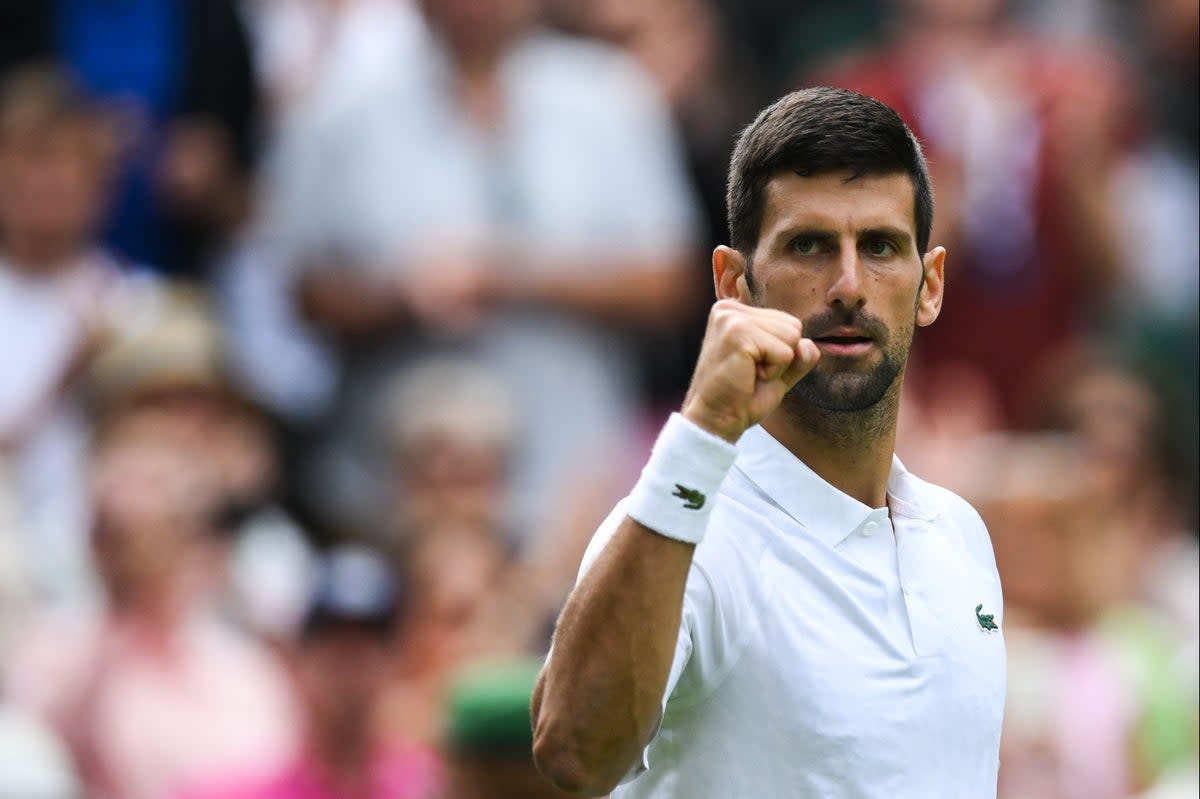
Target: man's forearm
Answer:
[[646, 294], [601, 692], [345, 304]]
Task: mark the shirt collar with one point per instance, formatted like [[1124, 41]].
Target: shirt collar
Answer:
[[813, 503]]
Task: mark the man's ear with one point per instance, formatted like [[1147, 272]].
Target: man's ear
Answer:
[[933, 284], [729, 274]]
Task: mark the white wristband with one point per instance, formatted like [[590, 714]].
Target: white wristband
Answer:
[[679, 484]]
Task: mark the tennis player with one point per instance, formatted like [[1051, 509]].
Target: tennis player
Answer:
[[779, 608]]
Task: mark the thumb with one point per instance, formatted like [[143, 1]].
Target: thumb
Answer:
[[807, 355]]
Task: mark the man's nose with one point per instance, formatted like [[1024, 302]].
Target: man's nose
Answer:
[[848, 283]]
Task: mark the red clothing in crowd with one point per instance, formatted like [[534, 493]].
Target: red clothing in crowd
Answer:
[[1005, 123]]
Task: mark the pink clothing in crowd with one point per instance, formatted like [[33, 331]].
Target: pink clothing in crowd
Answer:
[[1094, 722], [143, 720], [397, 773]]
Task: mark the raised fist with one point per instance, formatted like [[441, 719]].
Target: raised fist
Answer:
[[751, 357]]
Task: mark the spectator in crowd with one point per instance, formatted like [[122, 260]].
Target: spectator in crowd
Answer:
[[341, 669], [712, 91], [454, 573], [1099, 705], [178, 77], [487, 202], [154, 664], [61, 293], [1158, 199], [1155, 195], [168, 376], [1023, 141], [314, 58], [474, 589], [1134, 464], [489, 740], [452, 428]]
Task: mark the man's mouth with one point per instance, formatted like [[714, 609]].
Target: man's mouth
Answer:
[[842, 339], [844, 344]]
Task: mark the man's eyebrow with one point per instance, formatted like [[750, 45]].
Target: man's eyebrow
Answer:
[[817, 233], [898, 235], [814, 232]]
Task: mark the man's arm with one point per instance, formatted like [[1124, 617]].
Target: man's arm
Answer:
[[344, 302], [617, 634], [599, 697]]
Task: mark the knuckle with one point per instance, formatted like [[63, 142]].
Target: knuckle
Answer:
[[736, 325], [722, 313]]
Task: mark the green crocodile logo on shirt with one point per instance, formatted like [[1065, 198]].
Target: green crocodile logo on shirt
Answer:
[[693, 499], [985, 619]]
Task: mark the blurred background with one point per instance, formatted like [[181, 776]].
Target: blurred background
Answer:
[[330, 330]]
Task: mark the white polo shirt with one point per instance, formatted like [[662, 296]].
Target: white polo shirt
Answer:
[[827, 650]]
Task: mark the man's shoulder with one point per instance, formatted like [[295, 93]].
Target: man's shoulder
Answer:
[[742, 506], [955, 514], [944, 501]]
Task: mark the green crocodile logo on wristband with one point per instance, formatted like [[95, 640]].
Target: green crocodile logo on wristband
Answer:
[[693, 499]]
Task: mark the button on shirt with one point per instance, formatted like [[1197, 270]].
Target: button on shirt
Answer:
[[828, 649]]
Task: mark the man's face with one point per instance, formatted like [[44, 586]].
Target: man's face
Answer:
[[54, 182], [150, 508], [341, 669], [841, 255]]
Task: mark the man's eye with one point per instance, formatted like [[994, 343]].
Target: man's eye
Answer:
[[805, 246], [881, 247]]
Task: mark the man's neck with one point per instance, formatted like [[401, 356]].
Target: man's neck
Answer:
[[852, 451]]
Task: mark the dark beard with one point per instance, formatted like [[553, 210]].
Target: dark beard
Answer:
[[847, 408], [845, 392], [848, 391]]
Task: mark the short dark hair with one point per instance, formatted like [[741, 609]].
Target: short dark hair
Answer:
[[818, 130]]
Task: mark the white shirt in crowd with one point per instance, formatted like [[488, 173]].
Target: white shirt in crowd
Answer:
[[46, 321], [827, 649], [586, 163]]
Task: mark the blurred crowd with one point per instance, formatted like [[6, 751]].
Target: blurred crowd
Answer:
[[330, 329]]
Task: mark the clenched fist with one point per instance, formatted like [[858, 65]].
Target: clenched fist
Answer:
[[751, 357]]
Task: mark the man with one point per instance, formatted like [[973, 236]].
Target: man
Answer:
[[177, 78], [498, 247], [151, 691], [837, 633], [59, 297], [1026, 137]]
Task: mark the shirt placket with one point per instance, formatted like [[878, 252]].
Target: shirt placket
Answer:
[[916, 550]]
